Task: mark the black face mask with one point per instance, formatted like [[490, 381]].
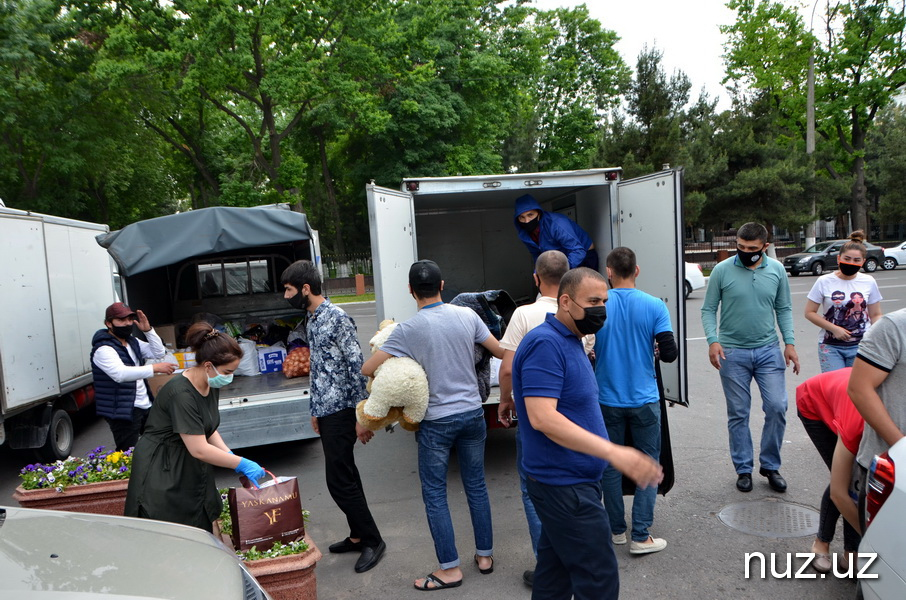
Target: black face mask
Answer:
[[121, 331], [300, 301], [749, 258], [593, 320], [849, 268], [530, 225]]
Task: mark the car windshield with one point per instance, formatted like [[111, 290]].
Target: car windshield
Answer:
[[820, 247]]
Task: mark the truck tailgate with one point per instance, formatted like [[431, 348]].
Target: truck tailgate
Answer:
[[267, 409]]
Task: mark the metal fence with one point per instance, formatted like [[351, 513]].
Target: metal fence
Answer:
[[346, 265]]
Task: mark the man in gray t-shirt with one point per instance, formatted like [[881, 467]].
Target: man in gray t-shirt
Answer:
[[877, 385], [441, 338]]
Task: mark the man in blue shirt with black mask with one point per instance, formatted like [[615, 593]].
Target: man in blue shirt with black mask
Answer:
[[565, 446]]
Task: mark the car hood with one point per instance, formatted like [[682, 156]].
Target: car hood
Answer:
[[46, 554], [797, 256]]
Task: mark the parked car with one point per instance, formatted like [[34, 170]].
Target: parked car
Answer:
[[694, 278], [894, 256], [822, 257], [885, 527], [51, 554]]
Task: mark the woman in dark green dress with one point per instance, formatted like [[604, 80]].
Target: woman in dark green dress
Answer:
[[173, 462]]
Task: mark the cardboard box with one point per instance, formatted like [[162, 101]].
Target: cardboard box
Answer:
[[271, 360], [167, 334], [185, 359], [158, 381]]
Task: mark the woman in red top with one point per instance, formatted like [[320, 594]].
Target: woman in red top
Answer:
[[835, 427]]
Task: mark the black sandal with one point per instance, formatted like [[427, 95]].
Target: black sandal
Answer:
[[487, 571], [439, 584]]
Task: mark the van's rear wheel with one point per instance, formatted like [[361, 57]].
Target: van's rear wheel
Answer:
[[687, 289], [60, 437]]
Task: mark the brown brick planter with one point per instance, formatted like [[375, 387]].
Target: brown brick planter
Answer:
[[289, 577], [101, 498]]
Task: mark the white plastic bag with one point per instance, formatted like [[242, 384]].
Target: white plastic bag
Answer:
[[248, 364]]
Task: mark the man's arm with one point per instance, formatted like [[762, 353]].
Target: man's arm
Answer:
[[544, 417], [154, 348], [491, 344], [505, 377], [376, 360], [783, 308], [841, 474], [110, 362], [863, 390]]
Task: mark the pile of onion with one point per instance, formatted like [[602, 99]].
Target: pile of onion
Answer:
[[298, 362]]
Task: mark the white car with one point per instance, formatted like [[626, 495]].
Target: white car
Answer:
[[695, 279], [885, 532], [54, 554], [894, 256]]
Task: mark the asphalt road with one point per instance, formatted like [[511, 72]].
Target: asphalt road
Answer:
[[704, 558]]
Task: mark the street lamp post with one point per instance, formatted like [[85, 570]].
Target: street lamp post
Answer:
[[810, 237]]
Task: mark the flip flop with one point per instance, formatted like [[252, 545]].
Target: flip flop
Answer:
[[438, 583], [487, 571]]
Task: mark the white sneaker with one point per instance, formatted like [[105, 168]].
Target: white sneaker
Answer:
[[652, 545], [618, 538]]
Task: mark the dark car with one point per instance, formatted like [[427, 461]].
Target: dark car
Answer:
[[822, 257]]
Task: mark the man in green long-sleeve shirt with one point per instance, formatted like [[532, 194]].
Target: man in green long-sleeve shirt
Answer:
[[753, 293]]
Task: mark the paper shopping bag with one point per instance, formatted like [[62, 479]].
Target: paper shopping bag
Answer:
[[269, 514]]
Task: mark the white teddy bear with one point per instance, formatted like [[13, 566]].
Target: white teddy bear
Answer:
[[398, 391]]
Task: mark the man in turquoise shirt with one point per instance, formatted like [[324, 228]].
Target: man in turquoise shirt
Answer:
[[753, 293]]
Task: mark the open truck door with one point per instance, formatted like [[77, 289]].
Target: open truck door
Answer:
[[391, 215], [651, 223]]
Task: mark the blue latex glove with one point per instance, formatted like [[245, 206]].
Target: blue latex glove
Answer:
[[251, 470]]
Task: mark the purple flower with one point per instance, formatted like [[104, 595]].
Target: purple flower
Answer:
[[123, 469], [98, 449], [29, 468], [72, 473], [100, 468]]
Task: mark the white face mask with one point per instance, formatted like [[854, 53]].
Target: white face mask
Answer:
[[219, 380]]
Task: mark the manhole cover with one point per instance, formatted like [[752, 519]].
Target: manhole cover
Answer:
[[770, 518]]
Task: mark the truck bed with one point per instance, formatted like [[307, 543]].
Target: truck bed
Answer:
[[266, 383]]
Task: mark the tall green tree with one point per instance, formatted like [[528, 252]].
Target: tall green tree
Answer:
[[886, 158], [859, 60]]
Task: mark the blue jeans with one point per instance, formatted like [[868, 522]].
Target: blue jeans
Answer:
[[767, 367], [575, 554], [645, 424], [534, 523], [466, 432], [832, 358]]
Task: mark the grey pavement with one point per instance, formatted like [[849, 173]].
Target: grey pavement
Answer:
[[704, 558]]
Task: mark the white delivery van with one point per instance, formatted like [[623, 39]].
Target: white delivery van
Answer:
[[55, 283], [465, 224], [226, 262]]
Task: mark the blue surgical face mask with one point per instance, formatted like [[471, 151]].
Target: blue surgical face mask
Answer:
[[219, 380]]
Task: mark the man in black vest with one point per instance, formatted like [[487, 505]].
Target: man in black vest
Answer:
[[118, 366]]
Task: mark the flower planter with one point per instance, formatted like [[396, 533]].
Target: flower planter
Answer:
[[289, 577], [102, 497]]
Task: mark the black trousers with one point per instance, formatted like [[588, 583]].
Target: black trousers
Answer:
[[126, 433], [575, 555], [338, 440], [825, 440]]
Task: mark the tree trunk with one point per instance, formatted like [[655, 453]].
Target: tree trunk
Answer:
[[339, 246], [859, 204]]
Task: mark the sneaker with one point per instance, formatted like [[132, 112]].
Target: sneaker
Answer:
[[652, 545], [618, 538]]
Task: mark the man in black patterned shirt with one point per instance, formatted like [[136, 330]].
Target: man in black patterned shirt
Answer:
[[337, 385]]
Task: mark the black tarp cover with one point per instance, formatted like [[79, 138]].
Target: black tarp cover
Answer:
[[155, 243]]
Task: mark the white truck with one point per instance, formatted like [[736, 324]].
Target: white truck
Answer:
[[227, 262], [55, 283], [465, 224]]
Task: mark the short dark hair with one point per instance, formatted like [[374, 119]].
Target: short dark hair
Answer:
[[753, 231], [300, 273], [551, 266], [425, 279], [574, 277], [622, 262]]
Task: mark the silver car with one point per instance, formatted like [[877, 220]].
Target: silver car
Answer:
[[885, 533], [53, 554]]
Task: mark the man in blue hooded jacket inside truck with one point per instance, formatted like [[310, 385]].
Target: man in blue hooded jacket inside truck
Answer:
[[540, 231]]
